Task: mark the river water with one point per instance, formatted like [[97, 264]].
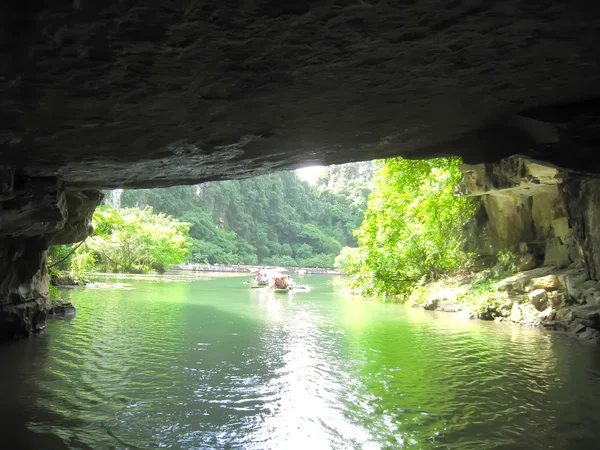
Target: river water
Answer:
[[210, 364]]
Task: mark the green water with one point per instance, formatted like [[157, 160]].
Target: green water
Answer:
[[211, 364]]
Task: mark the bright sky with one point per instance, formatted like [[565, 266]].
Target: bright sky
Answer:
[[310, 173]]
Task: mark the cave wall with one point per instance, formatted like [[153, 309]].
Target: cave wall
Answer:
[[24, 297], [524, 208], [35, 212], [581, 197]]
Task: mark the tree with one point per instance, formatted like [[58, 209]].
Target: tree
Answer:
[[346, 260], [412, 230], [137, 240], [267, 216]]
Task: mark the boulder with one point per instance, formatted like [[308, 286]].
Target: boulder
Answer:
[[529, 314], [574, 288], [488, 314], [523, 248], [539, 299], [62, 308], [446, 305], [554, 298], [586, 312], [431, 304], [589, 336], [556, 254], [575, 328], [545, 314], [564, 314], [526, 262], [548, 283], [65, 280], [515, 313]]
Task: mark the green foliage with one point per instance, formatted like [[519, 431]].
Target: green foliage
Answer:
[[54, 293], [321, 260], [83, 260], [506, 263], [280, 260], [132, 240], [482, 296], [59, 257], [346, 260], [412, 228], [270, 218]]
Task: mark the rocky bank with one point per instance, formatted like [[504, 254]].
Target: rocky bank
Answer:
[[565, 300], [542, 222]]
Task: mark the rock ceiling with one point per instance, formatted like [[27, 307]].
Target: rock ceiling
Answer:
[[136, 93]]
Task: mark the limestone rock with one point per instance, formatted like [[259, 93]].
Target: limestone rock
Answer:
[[446, 305], [589, 336], [539, 299], [564, 314], [529, 314], [62, 308], [586, 312], [554, 298], [526, 262], [556, 254], [576, 328], [549, 282], [431, 304], [24, 297], [228, 89], [545, 314], [515, 314], [561, 228], [582, 199]]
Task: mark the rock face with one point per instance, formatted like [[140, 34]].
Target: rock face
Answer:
[[35, 213], [582, 200], [140, 94], [525, 208], [63, 308], [24, 298]]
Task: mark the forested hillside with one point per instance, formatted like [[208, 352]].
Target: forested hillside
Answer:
[[274, 219]]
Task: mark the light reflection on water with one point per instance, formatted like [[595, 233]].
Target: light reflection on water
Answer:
[[210, 364]]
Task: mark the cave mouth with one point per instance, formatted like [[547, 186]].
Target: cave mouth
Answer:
[[137, 95]]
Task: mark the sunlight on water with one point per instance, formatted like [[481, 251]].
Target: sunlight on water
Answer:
[[208, 363]]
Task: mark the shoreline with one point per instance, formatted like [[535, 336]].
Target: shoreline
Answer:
[[547, 298]]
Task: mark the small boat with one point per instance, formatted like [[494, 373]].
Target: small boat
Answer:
[[259, 286], [284, 290]]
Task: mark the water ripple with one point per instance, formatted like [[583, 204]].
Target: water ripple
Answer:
[[209, 365]]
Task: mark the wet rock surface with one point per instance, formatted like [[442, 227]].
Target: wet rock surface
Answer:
[[24, 297], [62, 308]]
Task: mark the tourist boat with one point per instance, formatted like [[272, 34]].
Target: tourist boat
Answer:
[[284, 290]]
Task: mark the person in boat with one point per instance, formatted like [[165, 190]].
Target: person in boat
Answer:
[[278, 283], [288, 281], [261, 278]]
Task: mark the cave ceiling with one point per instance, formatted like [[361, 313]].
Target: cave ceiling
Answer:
[[107, 94]]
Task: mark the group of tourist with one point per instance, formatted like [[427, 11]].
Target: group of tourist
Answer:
[[274, 280]]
